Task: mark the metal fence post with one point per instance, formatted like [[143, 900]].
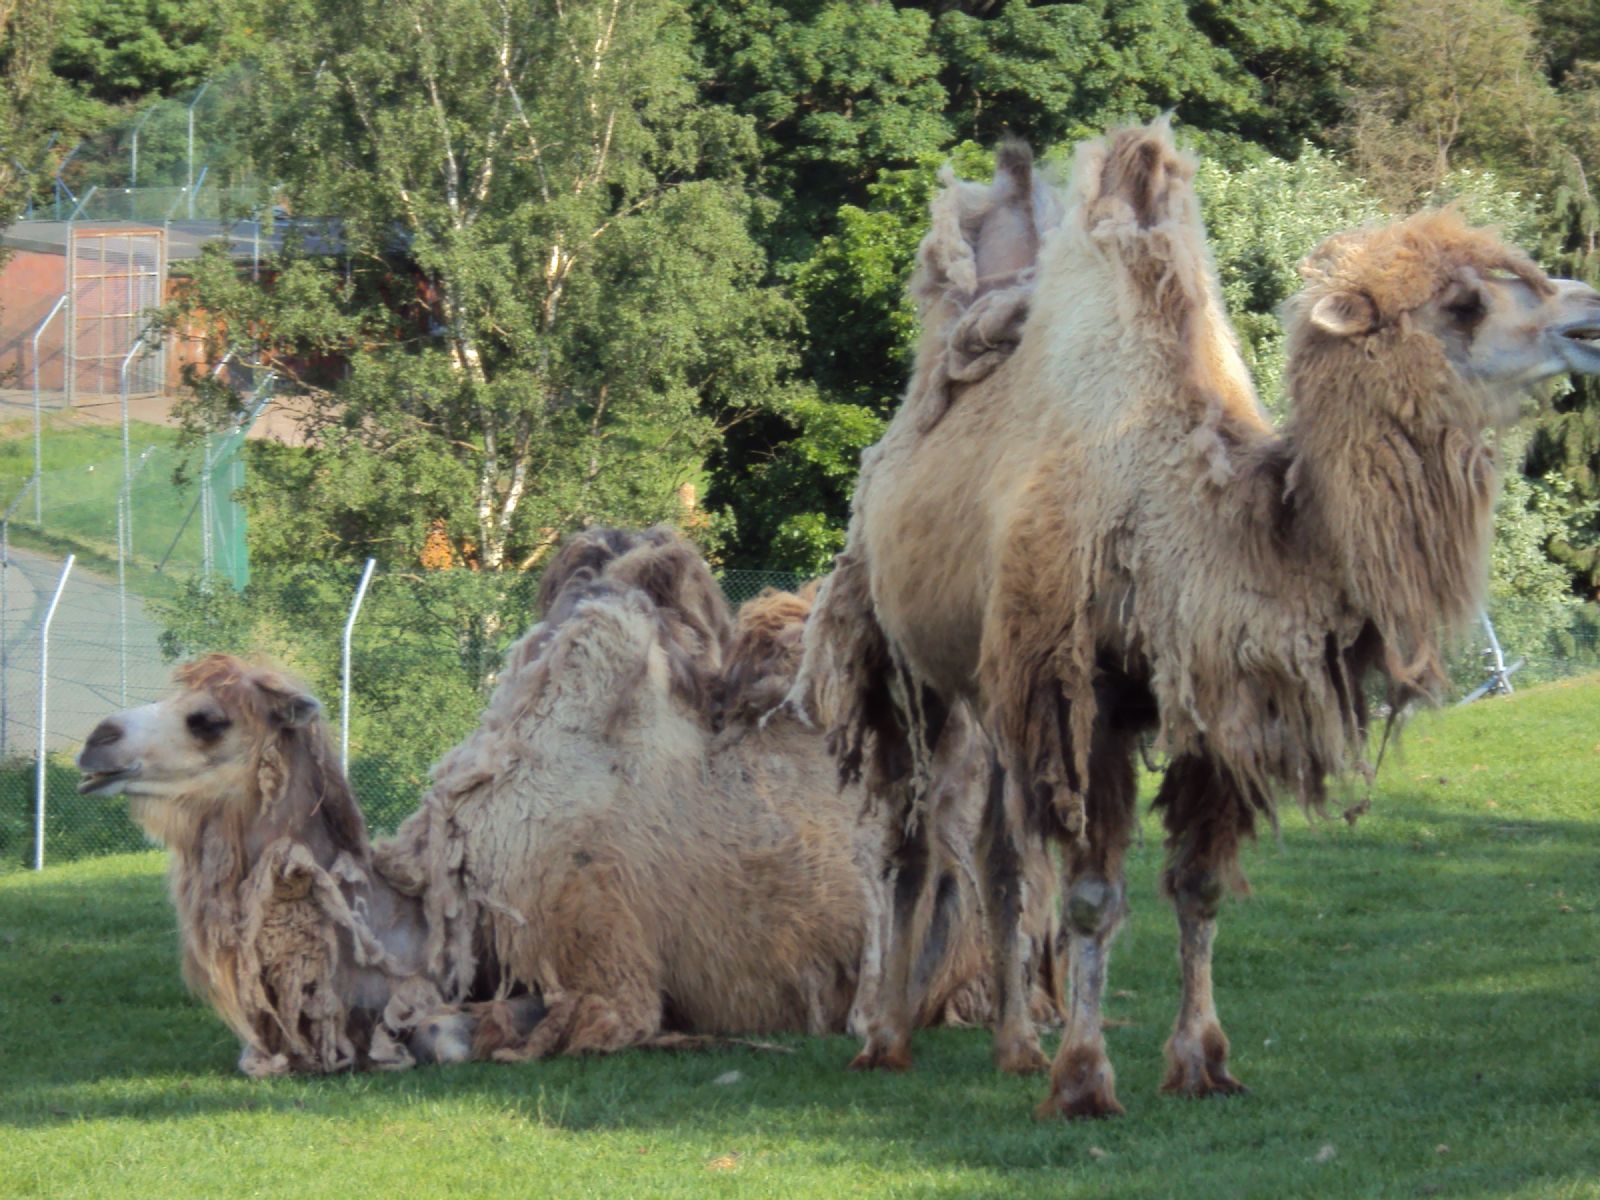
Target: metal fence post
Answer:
[[344, 667], [38, 445], [44, 685], [122, 599], [203, 87], [5, 611], [127, 451]]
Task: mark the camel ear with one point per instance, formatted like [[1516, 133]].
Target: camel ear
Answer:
[[1345, 314], [296, 711]]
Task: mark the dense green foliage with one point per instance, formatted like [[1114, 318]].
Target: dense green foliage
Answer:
[[543, 279], [1410, 999], [120, 50], [31, 99], [645, 260]]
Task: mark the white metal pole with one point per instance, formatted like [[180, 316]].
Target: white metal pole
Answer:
[[344, 689], [192, 103], [122, 599], [1499, 656], [206, 564], [133, 164], [127, 449], [38, 445], [44, 684]]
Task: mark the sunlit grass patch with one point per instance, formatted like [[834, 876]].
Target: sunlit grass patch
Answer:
[[1412, 1000]]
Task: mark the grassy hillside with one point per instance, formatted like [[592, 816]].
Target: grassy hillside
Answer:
[[1412, 1001], [82, 465]]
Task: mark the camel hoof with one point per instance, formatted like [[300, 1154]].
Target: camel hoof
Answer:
[[1082, 1085], [1093, 1105], [1023, 1058], [1198, 1084], [882, 1058], [1197, 1066]]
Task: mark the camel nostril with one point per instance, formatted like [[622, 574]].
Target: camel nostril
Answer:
[[104, 734]]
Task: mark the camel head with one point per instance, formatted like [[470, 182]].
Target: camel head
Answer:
[[233, 735], [1481, 308]]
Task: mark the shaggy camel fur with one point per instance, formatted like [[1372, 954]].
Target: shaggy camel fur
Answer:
[[594, 867], [301, 947], [685, 880], [1105, 535]]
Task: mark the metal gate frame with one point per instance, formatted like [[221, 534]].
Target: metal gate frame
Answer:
[[114, 276]]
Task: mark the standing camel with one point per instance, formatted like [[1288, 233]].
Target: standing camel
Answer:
[[1096, 532]]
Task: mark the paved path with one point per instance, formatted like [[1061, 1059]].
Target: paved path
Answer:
[[86, 658]]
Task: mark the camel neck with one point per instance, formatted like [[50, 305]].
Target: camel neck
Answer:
[[1400, 503]]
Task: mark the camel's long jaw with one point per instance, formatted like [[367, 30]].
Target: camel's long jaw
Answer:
[[1578, 344], [107, 783]]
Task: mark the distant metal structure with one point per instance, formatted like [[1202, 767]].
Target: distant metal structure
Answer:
[[1498, 682], [114, 277]]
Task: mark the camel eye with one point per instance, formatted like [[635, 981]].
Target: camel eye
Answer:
[[1466, 308], [207, 726]]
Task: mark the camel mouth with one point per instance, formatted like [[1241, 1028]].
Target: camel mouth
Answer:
[[105, 783], [1579, 345]]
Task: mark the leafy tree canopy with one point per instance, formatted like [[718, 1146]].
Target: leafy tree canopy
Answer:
[[542, 279], [117, 51]]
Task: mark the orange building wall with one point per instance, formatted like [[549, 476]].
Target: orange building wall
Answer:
[[30, 283]]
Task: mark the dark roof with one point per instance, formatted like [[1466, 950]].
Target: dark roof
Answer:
[[245, 239]]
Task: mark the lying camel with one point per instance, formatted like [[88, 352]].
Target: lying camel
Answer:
[[615, 857]]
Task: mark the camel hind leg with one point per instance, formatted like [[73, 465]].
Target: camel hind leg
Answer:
[[1016, 1039], [1205, 815], [598, 979], [1094, 905], [908, 966]]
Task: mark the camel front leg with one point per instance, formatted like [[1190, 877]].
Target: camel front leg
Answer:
[[888, 1045], [1016, 1040], [1197, 1052], [1082, 1081], [1205, 815]]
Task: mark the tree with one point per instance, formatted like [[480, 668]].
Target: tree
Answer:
[[31, 99], [1447, 83], [839, 91], [117, 51], [1268, 71], [541, 282]]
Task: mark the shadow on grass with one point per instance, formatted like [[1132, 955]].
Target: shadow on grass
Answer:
[[1389, 991]]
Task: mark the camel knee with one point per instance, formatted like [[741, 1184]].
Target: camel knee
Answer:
[[1197, 891], [1094, 906]]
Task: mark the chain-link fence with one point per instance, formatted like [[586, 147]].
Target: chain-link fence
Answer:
[[175, 158]]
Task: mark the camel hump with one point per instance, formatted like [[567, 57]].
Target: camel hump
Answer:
[[1007, 239], [1013, 161], [1143, 177], [974, 276]]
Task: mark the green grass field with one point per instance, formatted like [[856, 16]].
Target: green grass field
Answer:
[[82, 474], [1412, 1000]]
